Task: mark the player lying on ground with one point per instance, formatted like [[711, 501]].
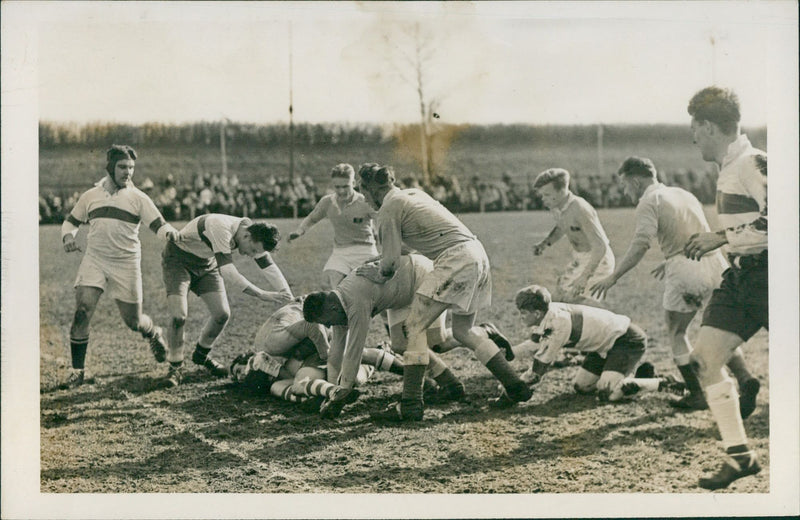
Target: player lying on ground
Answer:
[[199, 262], [351, 217], [740, 306], [671, 215], [592, 258], [460, 281], [349, 309], [114, 209], [612, 344]]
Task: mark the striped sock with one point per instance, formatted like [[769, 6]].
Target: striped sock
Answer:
[[78, 350], [311, 387], [288, 395]]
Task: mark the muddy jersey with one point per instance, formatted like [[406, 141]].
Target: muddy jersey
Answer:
[[114, 216], [351, 221]]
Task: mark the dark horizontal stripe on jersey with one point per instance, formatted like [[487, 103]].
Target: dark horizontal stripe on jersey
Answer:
[[201, 229], [115, 213], [732, 203], [72, 220], [223, 258], [576, 330], [156, 224], [263, 261]]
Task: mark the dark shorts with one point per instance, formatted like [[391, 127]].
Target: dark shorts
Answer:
[[622, 357], [184, 271], [741, 303]]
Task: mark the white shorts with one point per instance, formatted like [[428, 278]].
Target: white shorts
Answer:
[[461, 277], [566, 279], [120, 279], [688, 284], [345, 259]]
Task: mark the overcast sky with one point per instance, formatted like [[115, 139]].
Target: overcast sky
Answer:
[[488, 62]]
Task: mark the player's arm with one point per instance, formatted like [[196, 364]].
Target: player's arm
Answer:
[[550, 346], [281, 293], [236, 280], [317, 214], [156, 222], [336, 352], [646, 227], [753, 234], [595, 235], [316, 332], [69, 228], [391, 239], [554, 236], [358, 326]]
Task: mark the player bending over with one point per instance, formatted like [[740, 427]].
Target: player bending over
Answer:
[[612, 344], [199, 262], [351, 217], [671, 216], [114, 209], [592, 258]]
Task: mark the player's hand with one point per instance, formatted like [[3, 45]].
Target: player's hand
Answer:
[[660, 271], [600, 289], [294, 235], [71, 245], [371, 272], [173, 236], [579, 286], [539, 248], [701, 243]]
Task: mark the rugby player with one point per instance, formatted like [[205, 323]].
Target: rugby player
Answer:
[[351, 217], [671, 215], [113, 208], [740, 306], [461, 281], [349, 309], [612, 344], [592, 258], [200, 261]]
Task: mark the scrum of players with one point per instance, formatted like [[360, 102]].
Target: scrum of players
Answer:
[[399, 253]]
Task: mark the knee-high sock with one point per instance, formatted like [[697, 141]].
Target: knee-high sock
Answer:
[[364, 373], [312, 387], [724, 404], [689, 375], [77, 347], [286, 393]]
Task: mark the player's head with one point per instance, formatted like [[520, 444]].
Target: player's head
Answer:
[[533, 303], [715, 120], [258, 238], [120, 163], [325, 308], [552, 185], [636, 173], [343, 181], [375, 181], [244, 372]]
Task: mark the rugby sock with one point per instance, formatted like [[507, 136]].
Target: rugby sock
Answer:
[[435, 365], [412, 383], [724, 404], [387, 361], [319, 387], [447, 379], [738, 367], [364, 373], [514, 386], [287, 395], [146, 326], [200, 354], [78, 350]]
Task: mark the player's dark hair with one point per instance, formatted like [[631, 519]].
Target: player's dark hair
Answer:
[[637, 167], [342, 171], [558, 177], [266, 234], [116, 153], [718, 105], [533, 298], [241, 359], [372, 173], [314, 305]]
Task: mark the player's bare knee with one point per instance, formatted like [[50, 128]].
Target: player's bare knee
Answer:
[[221, 318], [132, 322]]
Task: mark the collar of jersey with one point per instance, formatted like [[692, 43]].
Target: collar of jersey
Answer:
[[736, 149]]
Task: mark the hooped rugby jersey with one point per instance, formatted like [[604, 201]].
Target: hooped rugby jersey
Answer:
[[114, 216], [742, 198], [352, 221], [211, 236], [585, 328]]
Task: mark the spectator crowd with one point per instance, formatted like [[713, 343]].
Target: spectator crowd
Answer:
[[283, 197]]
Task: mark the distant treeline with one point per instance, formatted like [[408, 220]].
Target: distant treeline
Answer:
[[54, 135]]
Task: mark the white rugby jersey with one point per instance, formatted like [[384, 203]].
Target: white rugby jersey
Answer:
[[211, 236], [114, 216], [352, 221], [588, 329], [742, 197], [577, 219]]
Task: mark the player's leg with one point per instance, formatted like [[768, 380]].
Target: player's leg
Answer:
[[626, 353], [382, 360], [587, 376], [220, 312], [137, 321], [677, 323], [749, 386], [86, 299], [713, 349]]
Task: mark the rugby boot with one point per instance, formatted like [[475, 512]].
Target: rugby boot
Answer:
[[499, 339], [75, 379], [747, 397], [502, 401], [690, 402], [158, 345], [214, 367], [403, 411], [737, 466], [514, 387], [331, 408], [175, 375], [444, 394]]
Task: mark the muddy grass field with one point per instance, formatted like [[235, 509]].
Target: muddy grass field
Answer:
[[127, 433]]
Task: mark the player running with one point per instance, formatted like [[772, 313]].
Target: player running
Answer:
[[740, 306], [114, 209], [612, 344], [351, 217], [671, 215], [199, 262], [592, 258], [349, 309], [461, 281]]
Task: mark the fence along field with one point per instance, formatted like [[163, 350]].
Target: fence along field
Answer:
[[125, 433]]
